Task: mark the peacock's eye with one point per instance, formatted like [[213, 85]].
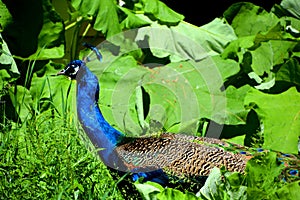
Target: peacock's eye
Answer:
[[72, 69]]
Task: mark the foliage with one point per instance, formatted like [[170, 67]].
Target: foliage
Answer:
[[159, 73], [47, 159]]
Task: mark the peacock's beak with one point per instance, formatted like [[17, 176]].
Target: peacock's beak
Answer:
[[62, 72]]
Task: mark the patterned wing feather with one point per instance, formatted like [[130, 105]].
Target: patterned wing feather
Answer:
[[190, 157], [181, 155]]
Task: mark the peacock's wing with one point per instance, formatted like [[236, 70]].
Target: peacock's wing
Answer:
[[180, 155], [192, 158]]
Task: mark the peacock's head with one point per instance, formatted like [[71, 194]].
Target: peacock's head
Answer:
[[71, 69]]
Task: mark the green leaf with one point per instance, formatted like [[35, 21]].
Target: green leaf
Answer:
[[262, 59], [268, 83], [148, 190], [8, 68], [288, 192], [218, 34], [238, 140], [236, 112], [170, 87], [104, 12], [234, 184], [132, 20], [154, 191], [210, 189], [161, 12], [170, 194], [186, 41], [236, 49], [279, 115], [293, 6], [118, 92], [45, 93], [269, 54], [51, 38], [258, 20], [218, 187], [6, 17], [289, 72]]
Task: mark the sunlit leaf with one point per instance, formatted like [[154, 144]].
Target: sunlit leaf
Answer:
[[104, 13], [279, 115], [161, 12]]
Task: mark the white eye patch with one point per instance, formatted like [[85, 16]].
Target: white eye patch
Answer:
[[73, 69]]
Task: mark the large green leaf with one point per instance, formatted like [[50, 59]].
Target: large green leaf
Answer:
[[248, 19], [217, 34], [118, 84], [170, 88], [186, 41], [192, 76], [104, 12], [279, 115]]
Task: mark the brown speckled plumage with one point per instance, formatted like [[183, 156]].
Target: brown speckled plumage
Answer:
[[181, 155]]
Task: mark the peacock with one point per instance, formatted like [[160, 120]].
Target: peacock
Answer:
[[162, 158]]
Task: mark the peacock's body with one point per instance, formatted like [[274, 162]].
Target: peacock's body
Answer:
[[156, 158]]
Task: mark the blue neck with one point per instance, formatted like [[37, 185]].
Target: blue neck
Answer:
[[100, 132]]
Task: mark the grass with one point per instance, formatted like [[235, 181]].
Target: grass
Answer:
[[46, 158]]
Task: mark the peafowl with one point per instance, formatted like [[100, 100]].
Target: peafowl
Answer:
[[160, 159]]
